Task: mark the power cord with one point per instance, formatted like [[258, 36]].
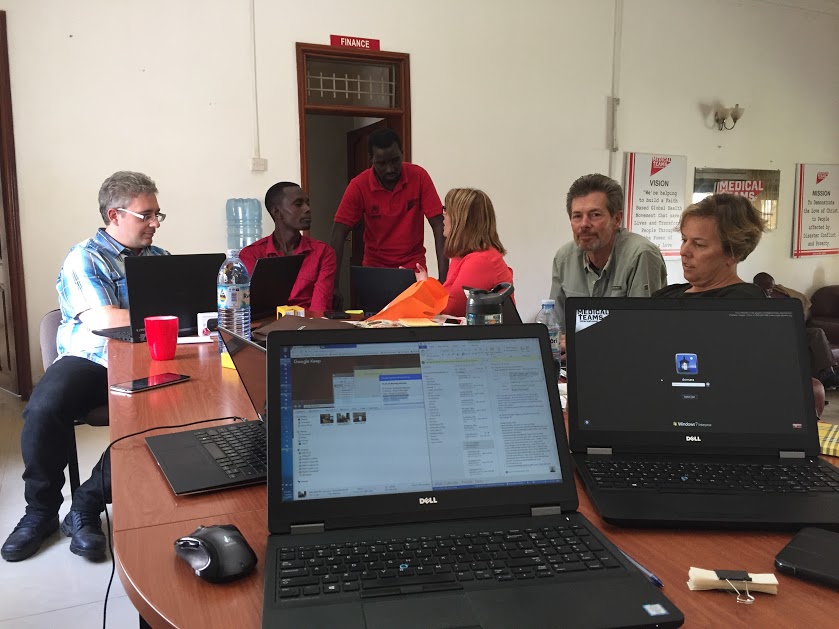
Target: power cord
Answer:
[[105, 502]]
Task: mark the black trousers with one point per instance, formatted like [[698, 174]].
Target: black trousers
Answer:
[[821, 356], [70, 388]]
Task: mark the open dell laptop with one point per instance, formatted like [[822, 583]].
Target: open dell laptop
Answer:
[[181, 285], [271, 284], [696, 412], [230, 455], [376, 287], [420, 477]]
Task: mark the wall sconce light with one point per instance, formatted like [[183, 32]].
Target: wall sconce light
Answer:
[[724, 113]]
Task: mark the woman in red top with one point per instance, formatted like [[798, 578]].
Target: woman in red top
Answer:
[[473, 246]]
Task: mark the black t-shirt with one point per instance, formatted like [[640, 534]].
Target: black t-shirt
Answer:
[[743, 290]]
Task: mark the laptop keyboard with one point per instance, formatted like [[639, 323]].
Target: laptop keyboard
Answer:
[[239, 449], [387, 567], [812, 475], [122, 333]]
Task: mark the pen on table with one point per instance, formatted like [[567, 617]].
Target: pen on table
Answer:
[[652, 578]]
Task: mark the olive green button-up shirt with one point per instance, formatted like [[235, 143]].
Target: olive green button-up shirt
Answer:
[[635, 269]]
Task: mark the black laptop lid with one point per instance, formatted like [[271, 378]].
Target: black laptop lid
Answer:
[[249, 360], [689, 375], [403, 425], [181, 285], [377, 287], [271, 284]]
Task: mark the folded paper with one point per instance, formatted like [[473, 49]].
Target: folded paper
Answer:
[[700, 579]]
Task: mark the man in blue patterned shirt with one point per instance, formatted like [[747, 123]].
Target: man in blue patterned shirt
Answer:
[[92, 295]]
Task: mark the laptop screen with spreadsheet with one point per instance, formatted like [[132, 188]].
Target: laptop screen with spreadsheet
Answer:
[[385, 418]]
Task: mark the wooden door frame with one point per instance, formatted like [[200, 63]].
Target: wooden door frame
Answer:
[[11, 217], [402, 113]]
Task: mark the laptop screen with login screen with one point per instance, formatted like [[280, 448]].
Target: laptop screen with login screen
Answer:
[[699, 372]]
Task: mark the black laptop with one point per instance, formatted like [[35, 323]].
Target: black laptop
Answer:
[[696, 412], [420, 477], [271, 284], [231, 455], [376, 287], [181, 285]]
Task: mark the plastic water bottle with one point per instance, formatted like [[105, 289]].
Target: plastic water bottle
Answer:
[[548, 316], [234, 297], [244, 222]]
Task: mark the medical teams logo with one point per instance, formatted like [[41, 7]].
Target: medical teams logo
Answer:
[[659, 163], [586, 318]]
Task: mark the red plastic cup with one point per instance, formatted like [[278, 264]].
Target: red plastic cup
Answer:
[[162, 336]]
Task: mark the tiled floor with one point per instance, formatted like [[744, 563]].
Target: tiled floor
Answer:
[[54, 588]]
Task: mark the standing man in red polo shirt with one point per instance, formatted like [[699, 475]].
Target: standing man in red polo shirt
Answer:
[[288, 205], [392, 197]]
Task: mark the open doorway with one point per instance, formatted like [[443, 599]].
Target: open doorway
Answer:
[[344, 95], [336, 152]]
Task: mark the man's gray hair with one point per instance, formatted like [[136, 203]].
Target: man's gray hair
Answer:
[[596, 182], [121, 188]]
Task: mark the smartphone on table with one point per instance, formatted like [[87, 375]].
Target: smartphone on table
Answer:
[[813, 554], [152, 382]]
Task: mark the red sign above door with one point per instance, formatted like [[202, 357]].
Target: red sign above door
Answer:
[[345, 41]]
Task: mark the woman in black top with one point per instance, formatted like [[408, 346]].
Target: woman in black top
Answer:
[[717, 233]]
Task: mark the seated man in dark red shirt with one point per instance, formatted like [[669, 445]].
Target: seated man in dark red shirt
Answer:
[[288, 205], [392, 197]]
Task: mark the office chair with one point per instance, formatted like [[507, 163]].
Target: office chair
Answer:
[[97, 417]]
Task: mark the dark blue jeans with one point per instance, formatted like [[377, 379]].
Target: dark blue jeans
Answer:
[[70, 388]]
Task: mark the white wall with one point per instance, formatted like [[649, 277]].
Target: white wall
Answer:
[[511, 98], [778, 62]]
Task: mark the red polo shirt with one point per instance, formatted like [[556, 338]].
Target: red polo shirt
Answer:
[[393, 220], [316, 280]]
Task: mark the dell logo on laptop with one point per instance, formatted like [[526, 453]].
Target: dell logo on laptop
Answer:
[[428, 501], [693, 438]]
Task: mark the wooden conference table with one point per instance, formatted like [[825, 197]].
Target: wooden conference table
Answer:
[[148, 518]]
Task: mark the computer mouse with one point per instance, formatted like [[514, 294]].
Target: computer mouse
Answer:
[[217, 553]]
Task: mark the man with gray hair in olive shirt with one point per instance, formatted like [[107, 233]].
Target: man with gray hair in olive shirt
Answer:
[[604, 260]]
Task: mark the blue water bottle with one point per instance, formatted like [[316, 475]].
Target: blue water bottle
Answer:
[[244, 222]]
